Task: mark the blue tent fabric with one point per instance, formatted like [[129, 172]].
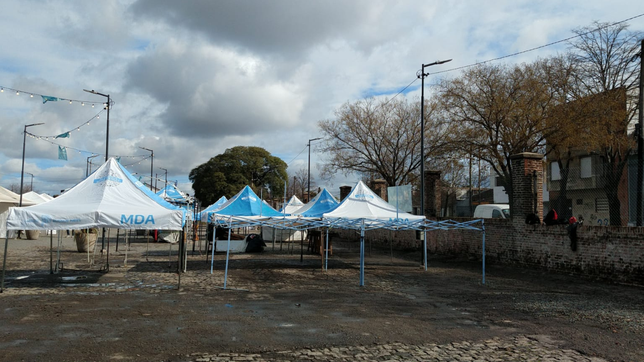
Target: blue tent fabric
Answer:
[[322, 203], [171, 194], [204, 213], [245, 203]]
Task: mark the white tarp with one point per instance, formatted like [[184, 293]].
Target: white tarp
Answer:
[[110, 197]]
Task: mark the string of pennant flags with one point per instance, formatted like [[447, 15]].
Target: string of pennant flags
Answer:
[[62, 149], [46, 98]]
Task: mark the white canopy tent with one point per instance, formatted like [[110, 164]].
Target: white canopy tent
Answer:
[[109, 198]]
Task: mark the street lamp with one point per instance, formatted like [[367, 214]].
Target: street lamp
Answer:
[[22, 171], [166, 179], [308, 192], [151, 164], [107, 134], [32, 180], [88, 166], [421, 74]]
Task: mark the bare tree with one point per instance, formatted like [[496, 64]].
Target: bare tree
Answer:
[[501, 111], [606, 82], [381, 138]]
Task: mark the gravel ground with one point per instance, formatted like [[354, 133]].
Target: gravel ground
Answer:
[[279, 308]]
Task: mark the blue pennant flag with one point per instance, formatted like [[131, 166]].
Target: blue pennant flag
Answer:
[[63, 135], [46, 99], [118, 159], [62, 153]]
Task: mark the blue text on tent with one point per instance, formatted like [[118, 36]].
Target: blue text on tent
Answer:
[[137, 219]]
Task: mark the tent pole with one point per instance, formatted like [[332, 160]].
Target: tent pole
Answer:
[[4, 260], [326, 250], [58, 254], [425, 249], [212, 258], [117, 240], [147, 242], [227, 254], [302, 246], [362, 254], [107, 266], [126, 247], [51, 254], [483, 247]]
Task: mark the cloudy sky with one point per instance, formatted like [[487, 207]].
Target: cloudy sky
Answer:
[[190, 79]]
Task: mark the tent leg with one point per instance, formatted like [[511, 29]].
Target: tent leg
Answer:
[[107, 265], [212, 257], [227, 258], [362, 256], [483, 248], [4, 261], [147, 242], [425, 249], [51, 254], [58, 254], [326, 251], [302, 247], [126, 247]]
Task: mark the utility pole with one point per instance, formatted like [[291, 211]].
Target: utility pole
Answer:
[[640, 140]]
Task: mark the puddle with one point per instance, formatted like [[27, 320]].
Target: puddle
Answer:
[[73, 278]]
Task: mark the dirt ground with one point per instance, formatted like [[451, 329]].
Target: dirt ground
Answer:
[[138, 311]]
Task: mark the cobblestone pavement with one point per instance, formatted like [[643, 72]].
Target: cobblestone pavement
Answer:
[[522, 348]]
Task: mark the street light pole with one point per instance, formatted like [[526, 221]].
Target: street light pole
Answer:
[[421, 74], [151, 165], [32, 180], [22, 171], [88, 167], [308, 192], [108, 106], [166, 179]]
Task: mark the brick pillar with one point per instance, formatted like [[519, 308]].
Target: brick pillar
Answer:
[[527, 185], [344, 192], [380, 188], [432, 193]]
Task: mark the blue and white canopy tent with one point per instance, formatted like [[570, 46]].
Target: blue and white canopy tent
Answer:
[[322, 203], [109, 198], [203, 215], [171, 194], [361, 210]]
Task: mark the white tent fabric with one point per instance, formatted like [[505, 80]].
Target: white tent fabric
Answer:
[[9, 199], [110, 197], [292, 205], [33, 197], [46, 197], [364, 204]]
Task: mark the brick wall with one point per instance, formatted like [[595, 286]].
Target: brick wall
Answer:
[[609, 253]]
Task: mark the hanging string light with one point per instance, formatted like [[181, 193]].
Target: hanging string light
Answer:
[[46, 98], [77, 128]]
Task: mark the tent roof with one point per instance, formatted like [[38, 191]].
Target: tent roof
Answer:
[[172, 194], [246, 203], [9, 196], [322, 203], [34, 197], [292, 205], [109, 197], [362, 203], [213, 207]]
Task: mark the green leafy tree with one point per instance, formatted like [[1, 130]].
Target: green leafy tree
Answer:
[[227, 173]]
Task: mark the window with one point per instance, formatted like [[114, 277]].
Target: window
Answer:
[[496, 214], [585, 167], [601, 205], [555, 175]]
